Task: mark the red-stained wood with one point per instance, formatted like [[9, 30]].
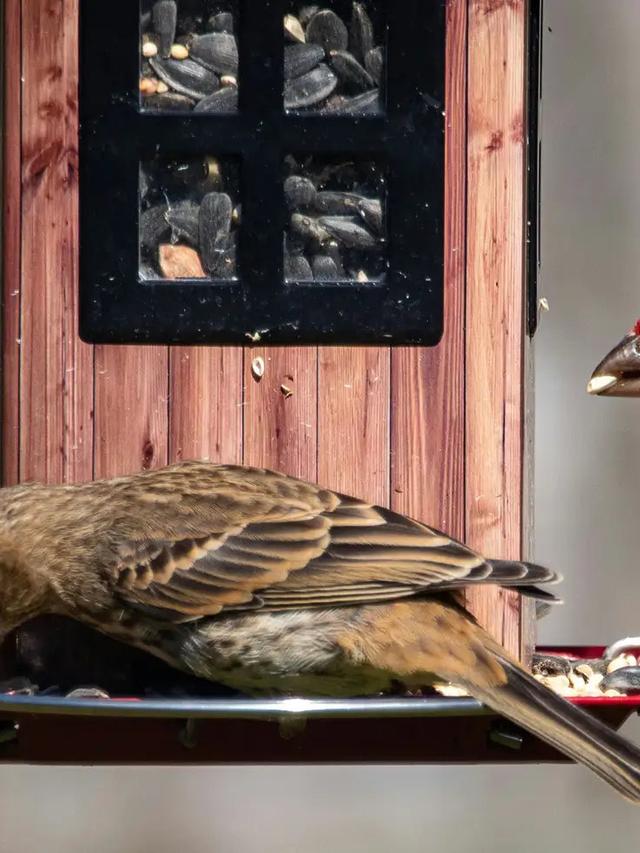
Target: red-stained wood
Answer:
[[427, 383], [12, 220], [132, 389], [495, 278], [56, 369], [205, 404], [280, 410], [353, 421]]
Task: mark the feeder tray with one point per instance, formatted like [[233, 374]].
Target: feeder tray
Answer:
[[138, 730]]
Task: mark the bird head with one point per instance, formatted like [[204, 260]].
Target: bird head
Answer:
[[618, 374]]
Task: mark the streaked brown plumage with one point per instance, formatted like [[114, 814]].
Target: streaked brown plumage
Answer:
[[271, 584]]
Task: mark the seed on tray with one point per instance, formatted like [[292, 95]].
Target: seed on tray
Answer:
[[179, 51], [186, 77], [361, 36], [149, 49], [310, 88], [299, 191], [354, 77], [621, 661], [225, 100], [300, 58], [221, 23], [169, 102], [216, 51], [374, 63]]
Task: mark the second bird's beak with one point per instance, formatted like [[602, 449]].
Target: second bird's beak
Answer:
[[618, 374]]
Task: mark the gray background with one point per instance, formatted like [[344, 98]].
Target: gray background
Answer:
[[587, 478]]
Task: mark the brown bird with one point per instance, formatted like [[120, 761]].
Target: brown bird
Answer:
[[618, 374], [270, 584]]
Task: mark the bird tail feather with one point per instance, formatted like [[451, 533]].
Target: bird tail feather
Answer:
[[565, 726]]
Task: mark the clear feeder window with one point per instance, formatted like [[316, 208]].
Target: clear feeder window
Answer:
[[188, 56], [189, 218], [334, 58], [336, 221]]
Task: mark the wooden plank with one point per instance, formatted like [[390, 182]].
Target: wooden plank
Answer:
[[353, 421], [280, 428], [495, 274], [131, 409], [427, 384], [56, 368], [11, 163], [205, 404]]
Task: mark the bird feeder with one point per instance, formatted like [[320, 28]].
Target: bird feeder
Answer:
[[354, 247]]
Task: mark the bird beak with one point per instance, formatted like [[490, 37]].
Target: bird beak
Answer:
[[618, 374]]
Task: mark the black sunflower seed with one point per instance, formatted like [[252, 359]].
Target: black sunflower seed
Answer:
[[299, 192], [153, 226], [221, 23], [300, 58], [374, 63], [368, 103], [309, 227], [297, 267], [167, 102], [361, 32], [165, 16], [217, 52], [214, 224], [309, 89], [348, 231], [354, 77], [324, 268], [225, 100], [183, 217], [186, 76], [325, 28]]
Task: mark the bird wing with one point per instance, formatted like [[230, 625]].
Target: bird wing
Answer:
[[200, 539]]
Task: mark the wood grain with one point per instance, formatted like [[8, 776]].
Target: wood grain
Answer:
[[353, 421], [56, 368], [11, 221], [427, 383], [131, 409], [205, 404], [280, 410], [495, 276]]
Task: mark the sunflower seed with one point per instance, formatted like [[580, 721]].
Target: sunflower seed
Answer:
[[324, 268], [186, 76], [297, 268], [153, 225], [341, 203], [348, 231], [332, 249], [217, 52], [293, 29], [325, 28], [309, 89], [299, 192], [221, 23], [350, 72], [368, 103], [225, 100], [183, 217], [169, 102], [165, 16], [374, 63], [257, 367], [300, 58], [361, 32], [309, 227], [306, 13], [214, 222]]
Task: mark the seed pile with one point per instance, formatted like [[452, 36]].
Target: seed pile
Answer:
[[331, 66], [188, 62], [618, 676], [336, 223], [188, 219]]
